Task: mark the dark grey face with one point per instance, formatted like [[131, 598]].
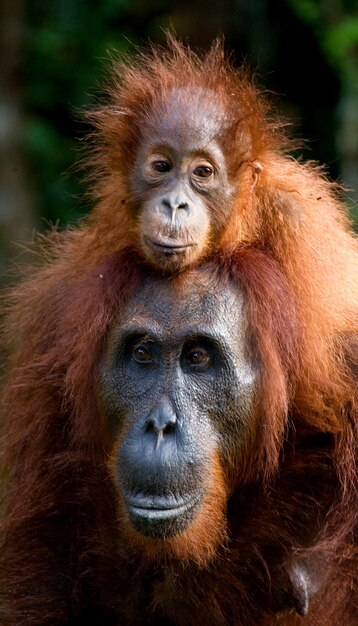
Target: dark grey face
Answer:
[[177, 387], [180, 187]]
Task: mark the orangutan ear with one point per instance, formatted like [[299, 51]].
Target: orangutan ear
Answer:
[[256, 168]]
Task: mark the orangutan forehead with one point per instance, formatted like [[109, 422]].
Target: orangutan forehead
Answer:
[[191, 111], [199, 301]]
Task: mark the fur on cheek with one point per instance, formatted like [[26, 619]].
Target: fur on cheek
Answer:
[[199, 542]]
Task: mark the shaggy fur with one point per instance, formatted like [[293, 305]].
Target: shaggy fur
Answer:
[[64, 558]]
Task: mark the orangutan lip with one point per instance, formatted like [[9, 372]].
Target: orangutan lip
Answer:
[[158, 508], [168, 248]]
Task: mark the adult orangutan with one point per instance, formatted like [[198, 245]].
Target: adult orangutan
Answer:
[[137, 470], [187, 166]]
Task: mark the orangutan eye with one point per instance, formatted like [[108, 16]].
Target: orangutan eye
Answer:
[[198, 358], [142, 353], [203, 171], [161, 166]]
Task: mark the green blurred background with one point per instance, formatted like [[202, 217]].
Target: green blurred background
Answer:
[[53, 56]]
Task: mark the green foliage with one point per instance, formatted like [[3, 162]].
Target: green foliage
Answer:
[[65, 47], [335, 24], [342, 42]]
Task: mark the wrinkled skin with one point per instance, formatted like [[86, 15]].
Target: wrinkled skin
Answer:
[[177, 385], [179, 389], [180, 186]]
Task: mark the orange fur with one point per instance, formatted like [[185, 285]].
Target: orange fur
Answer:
[[290, 247], [200, 541]]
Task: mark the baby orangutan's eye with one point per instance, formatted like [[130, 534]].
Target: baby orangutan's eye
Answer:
[[161, 166], [203, 171]]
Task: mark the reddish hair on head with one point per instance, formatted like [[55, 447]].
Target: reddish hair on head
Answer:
[[221, 195]]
